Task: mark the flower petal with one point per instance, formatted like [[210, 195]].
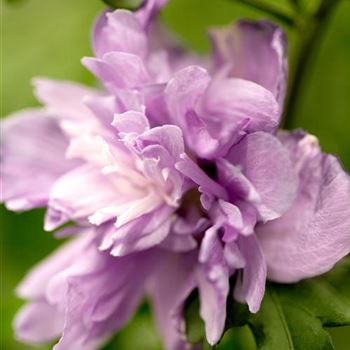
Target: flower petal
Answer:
[[118, 69], [119, 31], [213, 284], [250, 287], [32, 158], [237, 45], [315, 232], [77, 195], [168, 302], [38, 322], [263, 160], [237, 101]]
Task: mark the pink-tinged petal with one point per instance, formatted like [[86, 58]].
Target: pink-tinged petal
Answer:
[[85, 298], [168, 136], [149, 9], [232, 219], [168, 302], [63, 97], [98, 304], [32, 158], [103, 107], [77, 195], [213, 284], [184, 230], [206, 185], [38, 322], [266, 164], [234, 256], [235, 101], [131, 122], [179, 243], [315, 232], [184, 91], [236, 46], [120, 69], [138, 234], [66, 101], [119, 31], [216, 114], [250, 284], [156, 109], [143, 206], [182, 95]]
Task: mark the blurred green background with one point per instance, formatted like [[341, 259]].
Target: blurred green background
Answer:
[[48, 38]]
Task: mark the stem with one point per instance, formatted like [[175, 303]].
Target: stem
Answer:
[[310, 32], [270, 9], [295, 4]]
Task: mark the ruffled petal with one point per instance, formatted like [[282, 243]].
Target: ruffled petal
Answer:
[[84, 298], [98, 304], [236, 46], [32, 158], [141, 233], [149, 10], [213, 284], [66, 101], [118, 69], [236, 101], [77, 195], [315, 232], [168, 302], [215, 114], [250, 284], [119, 31], [38, 322], [260, 170]]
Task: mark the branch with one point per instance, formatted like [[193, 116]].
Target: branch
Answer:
[[270, 9], [310, 33]]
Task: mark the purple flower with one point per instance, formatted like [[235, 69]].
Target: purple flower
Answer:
[[176, 178]]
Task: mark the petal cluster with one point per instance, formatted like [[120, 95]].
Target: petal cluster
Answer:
[[175, 178]]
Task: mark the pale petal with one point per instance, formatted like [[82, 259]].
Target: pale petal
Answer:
[[315, 233], [250, 285], [120, 69], [38, 322], [168, 302], [237, 45], [78, 194], [32, 158], [119, 31], [66, 101], [213, 284], [235, 101], [264, 161]]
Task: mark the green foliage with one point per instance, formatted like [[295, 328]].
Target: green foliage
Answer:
[[124, 4], [293, 317], [13, 1], [194, 324]]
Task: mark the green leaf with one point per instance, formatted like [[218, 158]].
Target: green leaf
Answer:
[[194, 324], [124, 4], [287, 326], [14, 2], [293, 316]]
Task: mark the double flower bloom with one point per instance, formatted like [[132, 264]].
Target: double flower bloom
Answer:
[[176, 178]]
